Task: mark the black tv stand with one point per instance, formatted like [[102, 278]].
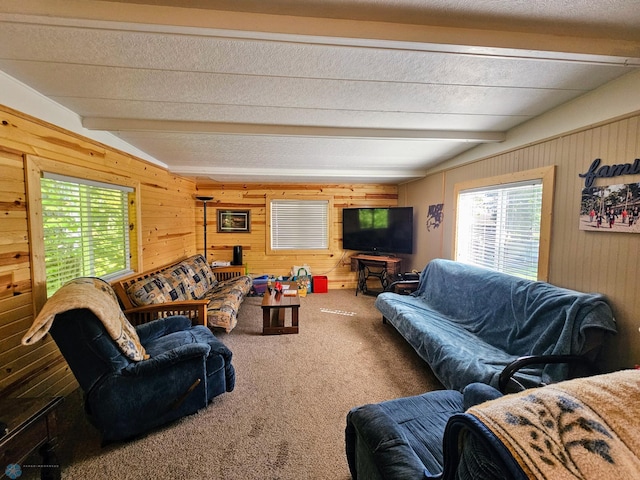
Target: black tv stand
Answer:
[[375, 265]]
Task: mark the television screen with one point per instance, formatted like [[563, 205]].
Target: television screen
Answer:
[[382, 230]]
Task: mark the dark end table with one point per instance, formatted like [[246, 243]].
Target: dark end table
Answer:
[[31, 425]]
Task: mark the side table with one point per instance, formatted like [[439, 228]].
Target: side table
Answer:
[[31, 424], [274, 305]]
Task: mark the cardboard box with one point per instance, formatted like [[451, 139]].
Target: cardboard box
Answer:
[[320, 284]]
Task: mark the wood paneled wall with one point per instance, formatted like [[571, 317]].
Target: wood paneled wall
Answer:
[[170, 226], [166, 224], [335, 264], [587, 261]]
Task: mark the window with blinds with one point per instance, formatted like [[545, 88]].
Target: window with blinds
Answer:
[[499, 228], [86, 229], [299, 224]]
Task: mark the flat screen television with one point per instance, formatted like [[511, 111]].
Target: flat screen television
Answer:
[[379, 230]]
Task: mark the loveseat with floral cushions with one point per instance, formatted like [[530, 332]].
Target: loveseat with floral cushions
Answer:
[[189, 287]]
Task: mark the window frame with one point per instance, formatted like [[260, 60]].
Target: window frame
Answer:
[[35, 168], [271, 251], [547, 177]]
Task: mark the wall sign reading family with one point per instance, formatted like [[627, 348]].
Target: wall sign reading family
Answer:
[[612, 208], [608, 171], [230, 221]]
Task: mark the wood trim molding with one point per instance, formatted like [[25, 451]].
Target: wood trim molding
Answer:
[[35, 166], [330, 220]]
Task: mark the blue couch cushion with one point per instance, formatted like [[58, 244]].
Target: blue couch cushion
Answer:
[[400, 438], [513, 314], [174, 340], [219, 357]]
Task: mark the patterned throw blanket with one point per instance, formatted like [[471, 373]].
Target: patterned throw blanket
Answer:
[[578, 429], [97, 296]]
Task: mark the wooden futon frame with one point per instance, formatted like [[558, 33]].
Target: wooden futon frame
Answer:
[[196, 310]]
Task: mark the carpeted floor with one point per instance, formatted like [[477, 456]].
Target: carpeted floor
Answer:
[[286, 417]]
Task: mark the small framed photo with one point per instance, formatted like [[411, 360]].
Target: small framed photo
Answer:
[[230, 221]]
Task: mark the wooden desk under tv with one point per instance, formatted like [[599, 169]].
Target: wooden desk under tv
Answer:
[[382, 267]]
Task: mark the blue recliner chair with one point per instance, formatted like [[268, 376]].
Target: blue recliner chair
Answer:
[[187, 366], [581, 428], [402, 439]]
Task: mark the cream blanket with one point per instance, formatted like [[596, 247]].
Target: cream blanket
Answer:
[[579, 429], [97, 296]]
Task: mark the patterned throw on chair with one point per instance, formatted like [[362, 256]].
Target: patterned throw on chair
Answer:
[[578, 429], [98, 296]]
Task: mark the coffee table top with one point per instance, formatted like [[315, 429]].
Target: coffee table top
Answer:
[[276, 299]]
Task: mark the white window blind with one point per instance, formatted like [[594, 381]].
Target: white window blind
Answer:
[[86, 229], [499, 228], [299, 224]]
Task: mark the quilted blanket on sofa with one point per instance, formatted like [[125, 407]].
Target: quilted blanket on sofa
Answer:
[[224, 301], [187, 280]]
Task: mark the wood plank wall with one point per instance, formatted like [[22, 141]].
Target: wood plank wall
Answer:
[[171, 227], [335, 264], [586, 261], [167, 231]]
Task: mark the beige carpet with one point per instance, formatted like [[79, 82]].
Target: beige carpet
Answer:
[[286, 417]]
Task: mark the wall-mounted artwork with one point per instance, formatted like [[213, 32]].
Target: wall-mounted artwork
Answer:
[[611, 208], [234, 221], [435, 216]]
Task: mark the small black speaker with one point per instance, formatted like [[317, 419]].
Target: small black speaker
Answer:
[[237, 255]]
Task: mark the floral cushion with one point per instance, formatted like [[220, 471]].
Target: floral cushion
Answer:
[[188, 280], [193, 279], [225, 300]]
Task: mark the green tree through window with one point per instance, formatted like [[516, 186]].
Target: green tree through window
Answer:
[[86, 230]]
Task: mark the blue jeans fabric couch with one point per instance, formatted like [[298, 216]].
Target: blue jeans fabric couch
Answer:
[[133, 378], [187, 367], [582, 428], [469, 323], [403, 438]]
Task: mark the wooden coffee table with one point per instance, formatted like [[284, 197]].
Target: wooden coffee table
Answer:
[[274, 305]]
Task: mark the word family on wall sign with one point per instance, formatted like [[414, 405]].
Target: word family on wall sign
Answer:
[[608, 171]]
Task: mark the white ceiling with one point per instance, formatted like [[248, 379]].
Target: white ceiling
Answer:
[[317, 91]]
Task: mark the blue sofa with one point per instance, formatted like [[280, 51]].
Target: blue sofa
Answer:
[[582, 428], [472, 324]]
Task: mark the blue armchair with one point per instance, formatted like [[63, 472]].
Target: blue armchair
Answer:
[[187, 367], [582, 428]]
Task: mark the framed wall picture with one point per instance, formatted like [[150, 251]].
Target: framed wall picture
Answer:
[[230, 221], [611, 208], [435, 216]]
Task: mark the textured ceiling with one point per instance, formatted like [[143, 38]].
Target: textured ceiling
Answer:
[[316, 91]]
